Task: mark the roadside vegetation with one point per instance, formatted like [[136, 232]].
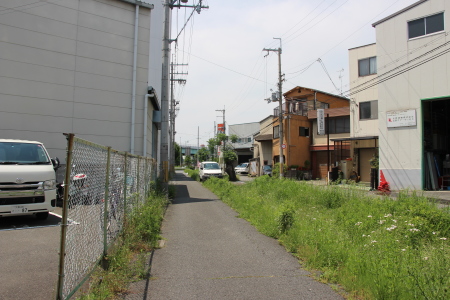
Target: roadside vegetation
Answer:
[[127, 261], [374, 247]]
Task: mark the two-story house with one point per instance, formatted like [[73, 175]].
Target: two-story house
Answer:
[[302, 146], [262, 146], [362, 145]]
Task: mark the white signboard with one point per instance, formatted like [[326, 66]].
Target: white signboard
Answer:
[[320, 121], [401, 118]]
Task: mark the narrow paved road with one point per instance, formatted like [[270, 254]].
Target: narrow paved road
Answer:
[[210, 253]]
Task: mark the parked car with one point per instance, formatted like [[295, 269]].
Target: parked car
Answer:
[[210, 169], [267, 170], [27, 179], [242, 168]]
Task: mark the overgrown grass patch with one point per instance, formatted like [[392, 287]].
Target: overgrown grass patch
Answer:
[[374, 247], [194, 174], [126, 262]]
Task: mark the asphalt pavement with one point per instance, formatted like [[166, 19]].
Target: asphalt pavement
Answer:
[[208, 252]]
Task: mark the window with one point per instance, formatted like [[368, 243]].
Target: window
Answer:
[[367, 66], [368, 110], [249, 140], [304, 131], [276, 132], [339, 125], [427, 25]]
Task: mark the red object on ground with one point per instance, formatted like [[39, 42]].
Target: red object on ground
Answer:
[[384, 185]]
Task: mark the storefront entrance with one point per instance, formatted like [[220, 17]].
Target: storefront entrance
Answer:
[[436, 141]]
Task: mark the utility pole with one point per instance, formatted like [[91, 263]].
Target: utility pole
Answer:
[[165, 138], [172, 113], [280, 107], [198, 142]]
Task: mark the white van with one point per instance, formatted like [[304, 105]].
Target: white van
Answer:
[[210, 169], [27, 179]]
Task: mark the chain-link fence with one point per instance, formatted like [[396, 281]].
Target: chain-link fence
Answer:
[[101, 187]]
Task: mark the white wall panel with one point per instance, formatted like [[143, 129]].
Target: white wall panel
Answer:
[[36, 56], [39, 73], [35, 89], [35, 106]]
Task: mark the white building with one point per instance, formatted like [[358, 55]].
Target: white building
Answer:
[[244, 145], [364, 123], [413, 68], [81, 67], [263, 142]]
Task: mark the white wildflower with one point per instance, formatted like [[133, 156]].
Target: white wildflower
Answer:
[[403, 249], [369, 216], [381, 222], [443, 238], [414, 229], [373, 241], [388, 215], [359, 223]]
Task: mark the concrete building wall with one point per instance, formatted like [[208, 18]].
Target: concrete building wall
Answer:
[[67, 66], [263, 148], [365, 127], [401, 154]]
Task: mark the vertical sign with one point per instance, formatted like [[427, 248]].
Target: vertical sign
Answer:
[[320, 121], [221, 128]]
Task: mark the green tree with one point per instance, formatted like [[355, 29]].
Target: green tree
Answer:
[[203, 154], [177, 154], [188, 161], [229, 154]]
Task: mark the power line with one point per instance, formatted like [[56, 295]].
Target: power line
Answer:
[[325, 69]]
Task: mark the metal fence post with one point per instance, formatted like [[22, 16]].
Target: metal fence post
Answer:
[[105, 210], [62, 249], [125, 175]]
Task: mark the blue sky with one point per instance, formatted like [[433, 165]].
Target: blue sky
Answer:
[[227, 68]]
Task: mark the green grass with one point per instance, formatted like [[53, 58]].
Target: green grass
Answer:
[[126, 262], [194, 174], [373, 247]]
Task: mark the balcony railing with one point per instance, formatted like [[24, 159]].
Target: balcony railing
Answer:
[[300, 108]]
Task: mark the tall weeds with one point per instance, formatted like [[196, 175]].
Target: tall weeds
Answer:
[[124, 263], [375, 247]]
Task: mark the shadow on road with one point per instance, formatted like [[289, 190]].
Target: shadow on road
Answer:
[[28, 222], [183, 197]]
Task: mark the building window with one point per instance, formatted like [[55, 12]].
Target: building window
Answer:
[[304, 131], [249, 140], [427, 25], [367, 66], [276, 132], [368, 110], [339, 125]]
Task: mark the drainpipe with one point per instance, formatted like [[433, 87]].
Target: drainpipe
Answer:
[[133, 97], [146, 99]]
